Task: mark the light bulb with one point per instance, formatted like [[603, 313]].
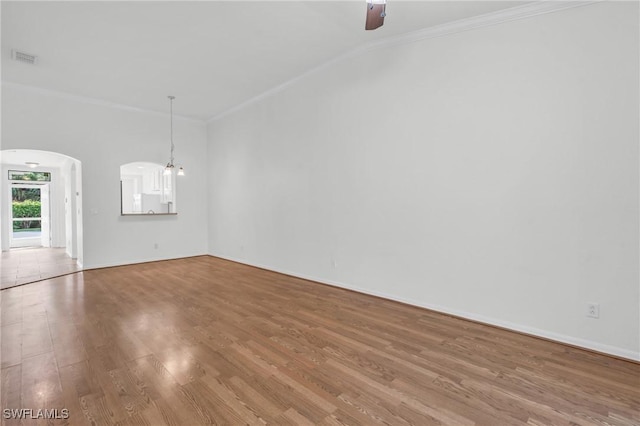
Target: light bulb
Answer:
[[180, 171]]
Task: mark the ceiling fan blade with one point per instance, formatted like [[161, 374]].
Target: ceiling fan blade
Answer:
[[375, 15]]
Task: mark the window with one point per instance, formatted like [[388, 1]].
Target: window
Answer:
[[145, 189], [30, 176]]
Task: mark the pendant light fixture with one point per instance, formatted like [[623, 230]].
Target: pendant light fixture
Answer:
[[168, 170]]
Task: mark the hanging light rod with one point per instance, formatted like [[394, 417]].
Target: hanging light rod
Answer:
[[169, 168]]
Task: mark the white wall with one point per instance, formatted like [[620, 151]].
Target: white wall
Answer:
[[72, 186], [103, 138], [69, 195], [491, 173]]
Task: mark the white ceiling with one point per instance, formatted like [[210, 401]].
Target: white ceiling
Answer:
[[211, 55], [18, 157]]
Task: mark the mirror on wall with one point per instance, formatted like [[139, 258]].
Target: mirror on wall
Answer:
[[145, 189]]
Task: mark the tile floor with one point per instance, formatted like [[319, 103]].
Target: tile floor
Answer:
[[26, 265]]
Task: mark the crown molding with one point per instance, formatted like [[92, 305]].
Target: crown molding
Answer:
[[489, 19], [92, 101], [486, 20]]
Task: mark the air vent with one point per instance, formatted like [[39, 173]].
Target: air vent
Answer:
[[24, 57]]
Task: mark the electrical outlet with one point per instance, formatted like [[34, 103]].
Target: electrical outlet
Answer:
[[155, 246], [334, 263], [593, 310]]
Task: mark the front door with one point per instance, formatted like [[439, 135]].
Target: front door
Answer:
[[45, 217], [30, 215]]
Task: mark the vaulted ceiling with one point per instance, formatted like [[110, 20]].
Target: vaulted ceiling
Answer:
[[211, 55]]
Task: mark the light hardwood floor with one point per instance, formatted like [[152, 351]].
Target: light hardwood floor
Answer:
[[203, 340]]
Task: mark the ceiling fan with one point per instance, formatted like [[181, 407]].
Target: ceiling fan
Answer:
[[375, 14]]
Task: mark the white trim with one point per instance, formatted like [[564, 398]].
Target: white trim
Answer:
[[557, 337], [488, 19], [91, 101]]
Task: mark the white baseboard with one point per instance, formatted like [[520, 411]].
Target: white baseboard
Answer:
[[550, 335]]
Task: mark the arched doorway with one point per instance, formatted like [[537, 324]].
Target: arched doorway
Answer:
[[41, 216]]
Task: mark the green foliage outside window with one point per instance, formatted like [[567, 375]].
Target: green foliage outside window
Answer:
[[30, 176], [27, 208], [23, 194]]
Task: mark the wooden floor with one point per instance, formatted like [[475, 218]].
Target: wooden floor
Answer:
[[203, 340], [26, 265]]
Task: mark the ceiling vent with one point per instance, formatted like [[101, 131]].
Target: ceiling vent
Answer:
[[23, 57]]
